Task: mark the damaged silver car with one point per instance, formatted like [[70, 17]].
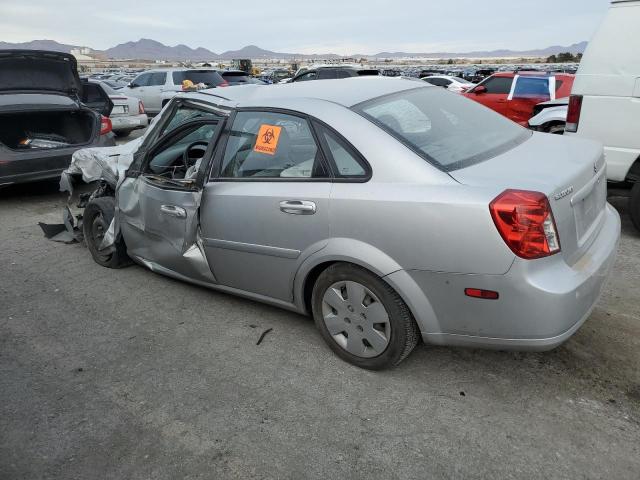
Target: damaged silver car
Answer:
[[389, 210]]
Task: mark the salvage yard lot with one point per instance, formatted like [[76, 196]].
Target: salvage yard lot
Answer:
[[128, 374]]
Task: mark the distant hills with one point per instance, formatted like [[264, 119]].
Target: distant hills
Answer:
[[544, 52], [147, 49]]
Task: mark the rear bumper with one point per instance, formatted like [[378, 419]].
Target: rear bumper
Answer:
[[129, 122], [542, 302]]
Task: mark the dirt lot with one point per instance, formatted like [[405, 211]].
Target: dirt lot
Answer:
[[129, 375]]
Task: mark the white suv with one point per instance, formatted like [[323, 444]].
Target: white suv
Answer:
[[605, 100], [156, 87]]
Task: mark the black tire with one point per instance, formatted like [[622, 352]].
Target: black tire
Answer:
[[557, 129], [96, 219], [404, 333], [634, 205], [122, 133]]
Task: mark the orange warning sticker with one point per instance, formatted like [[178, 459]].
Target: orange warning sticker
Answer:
[[267, 140]]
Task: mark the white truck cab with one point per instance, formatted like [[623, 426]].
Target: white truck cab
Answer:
[[605, 100]]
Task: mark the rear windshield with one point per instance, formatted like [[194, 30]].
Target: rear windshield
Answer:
[[210, 78], [235, 77], [364, 73], [446, 129]]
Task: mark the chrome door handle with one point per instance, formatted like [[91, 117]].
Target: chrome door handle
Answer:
[[298, 207], [173, 211]]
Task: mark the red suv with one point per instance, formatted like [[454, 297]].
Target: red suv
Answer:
[[515, 94]]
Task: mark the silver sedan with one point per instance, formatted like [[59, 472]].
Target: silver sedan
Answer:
[[390, 210]]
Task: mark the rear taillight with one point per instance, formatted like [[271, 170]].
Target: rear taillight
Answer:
[[140, 106], [525, 222], [224, 84], [105, 125], [573, 113]]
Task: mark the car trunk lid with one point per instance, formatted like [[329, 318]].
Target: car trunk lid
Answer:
[[570, 173], [39, 71]]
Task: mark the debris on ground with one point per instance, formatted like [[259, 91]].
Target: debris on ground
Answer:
[[264, 334]]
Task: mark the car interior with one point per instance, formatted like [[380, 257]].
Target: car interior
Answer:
[[179, 157], [296, 156]]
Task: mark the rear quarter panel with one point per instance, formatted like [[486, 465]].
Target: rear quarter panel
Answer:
[[421, 226]]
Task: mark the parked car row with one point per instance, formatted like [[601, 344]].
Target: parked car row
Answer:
[[128, 113], [453, 84], [516, 94]]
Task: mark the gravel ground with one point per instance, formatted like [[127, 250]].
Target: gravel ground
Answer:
[[130, 375]]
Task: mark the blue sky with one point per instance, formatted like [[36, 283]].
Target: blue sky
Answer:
[[297, 26]]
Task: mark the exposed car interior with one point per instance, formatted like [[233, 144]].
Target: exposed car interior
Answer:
[[180, 156], [295, 153], [32, 130]]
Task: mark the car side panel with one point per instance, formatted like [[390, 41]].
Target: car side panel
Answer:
[[422, 227]]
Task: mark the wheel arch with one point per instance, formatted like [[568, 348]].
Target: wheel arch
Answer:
[[373, 260], [633, 175]]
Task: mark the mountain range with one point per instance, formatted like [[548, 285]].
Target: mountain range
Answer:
[[147, 49]]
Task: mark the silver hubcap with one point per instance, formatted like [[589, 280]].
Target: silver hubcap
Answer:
[[356, 319]]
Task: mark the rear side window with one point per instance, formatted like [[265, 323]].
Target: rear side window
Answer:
[[264, 145], [498, 85], [447, 130], [307, 76], [532, 87], [210, 78], [327, 74], [345, 161], [142, 80], [157, 78]]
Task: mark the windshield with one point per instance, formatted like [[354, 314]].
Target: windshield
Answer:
[[210, 78], [446, 129], [235, 77]]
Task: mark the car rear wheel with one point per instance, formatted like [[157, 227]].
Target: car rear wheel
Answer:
[[362, 319], [557, 129], [634, 205], [96, 219]]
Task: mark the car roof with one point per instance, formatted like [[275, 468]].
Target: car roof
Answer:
[[316, 66], [346, 92], [448, 77]]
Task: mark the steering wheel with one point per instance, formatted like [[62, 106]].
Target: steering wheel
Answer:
[[199, 145]]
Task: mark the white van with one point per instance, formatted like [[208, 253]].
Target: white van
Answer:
[[605, 100]]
